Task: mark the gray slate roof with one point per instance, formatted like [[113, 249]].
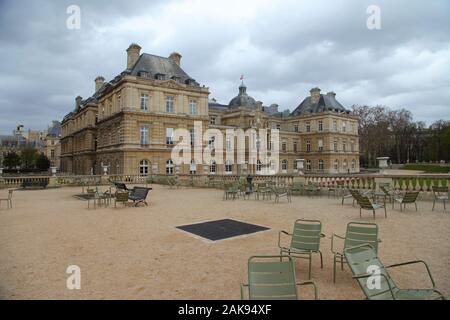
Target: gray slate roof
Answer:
[[154, 65], [326, 102]]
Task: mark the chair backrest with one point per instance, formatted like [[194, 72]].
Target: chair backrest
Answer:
[[363, 259], [361, 233], [355, 194], [439, 190], [386, 189], [10, 193], [140, 192], [272, 278], [122, 196], [306, 235], [410, 197], [120, 186], [365, 203]]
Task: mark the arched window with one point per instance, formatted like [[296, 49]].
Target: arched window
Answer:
[[213, 167], [353, 164], [321, 165], [228, 167], [344, 164], [169, 167], [284, 165], [258, 167], [193, 167], [143, 167], [336, 165]]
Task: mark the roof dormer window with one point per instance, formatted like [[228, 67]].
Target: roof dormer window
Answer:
[[160, 76]]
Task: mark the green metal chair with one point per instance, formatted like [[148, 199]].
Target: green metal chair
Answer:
[[408, 198], [8, 199], [297, 187], [98, 197], [357, 233], [281, 192], [273, 278], [366, 266], [352, 194], [365, 204], [121, 197], [312, 189], [230, 190], [440, 194], [305, 240]]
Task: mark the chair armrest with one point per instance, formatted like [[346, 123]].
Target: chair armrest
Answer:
[[414, 262], [242, 290], [367, 275], [279, 237], [310, 283], [332, 243]]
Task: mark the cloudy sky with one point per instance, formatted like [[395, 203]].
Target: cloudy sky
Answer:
[[283, 48]]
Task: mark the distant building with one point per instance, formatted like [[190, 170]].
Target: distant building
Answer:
[[52, 148], [128, 124]]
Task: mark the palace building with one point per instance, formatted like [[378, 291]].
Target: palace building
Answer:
[[128, 124]]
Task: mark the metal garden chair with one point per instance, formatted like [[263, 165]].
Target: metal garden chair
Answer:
[[440, 194], [281, 192], [139, 195], [305, 240], [357, 233], [365, 204], [408, 198], [8, 199], [121, 197], [231, 190], [366, 266], [273, 278]]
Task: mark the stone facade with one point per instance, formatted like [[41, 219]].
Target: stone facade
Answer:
[[127, 124]]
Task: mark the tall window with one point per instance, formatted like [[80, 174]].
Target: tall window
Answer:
[[344, 126], [296, 127], [169, 167], [308, 146], [213, 167], [335, 146], [144, 102], [228, 167], [258, 167], [308, 165], [169, 104], [211, 141], [320, 145], [193, 167], [169, 136], [229, 145], [278, 126], [308, 126], [344, 145], [344, 164], [320, 125], [192, 107], [283, 146], [321, 165], [144, 135], [52, 153], [353, 164], [352, 146], [143, 167], [295, 146], [336, 165], [284, 165], [334, 125], [212, 120]]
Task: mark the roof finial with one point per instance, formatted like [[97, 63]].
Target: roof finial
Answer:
[[242, 79]]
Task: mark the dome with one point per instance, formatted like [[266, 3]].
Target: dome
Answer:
[[242, 99]]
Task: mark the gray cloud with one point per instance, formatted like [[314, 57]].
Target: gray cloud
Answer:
[[283, 48]]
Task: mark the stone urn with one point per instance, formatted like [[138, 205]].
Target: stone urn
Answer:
[[300, 166], [53, 170]]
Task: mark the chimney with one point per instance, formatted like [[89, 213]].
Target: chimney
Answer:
[[133, 53], [78, 102], [175, 57], [99, 82], [331, 94], [315, 95]]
